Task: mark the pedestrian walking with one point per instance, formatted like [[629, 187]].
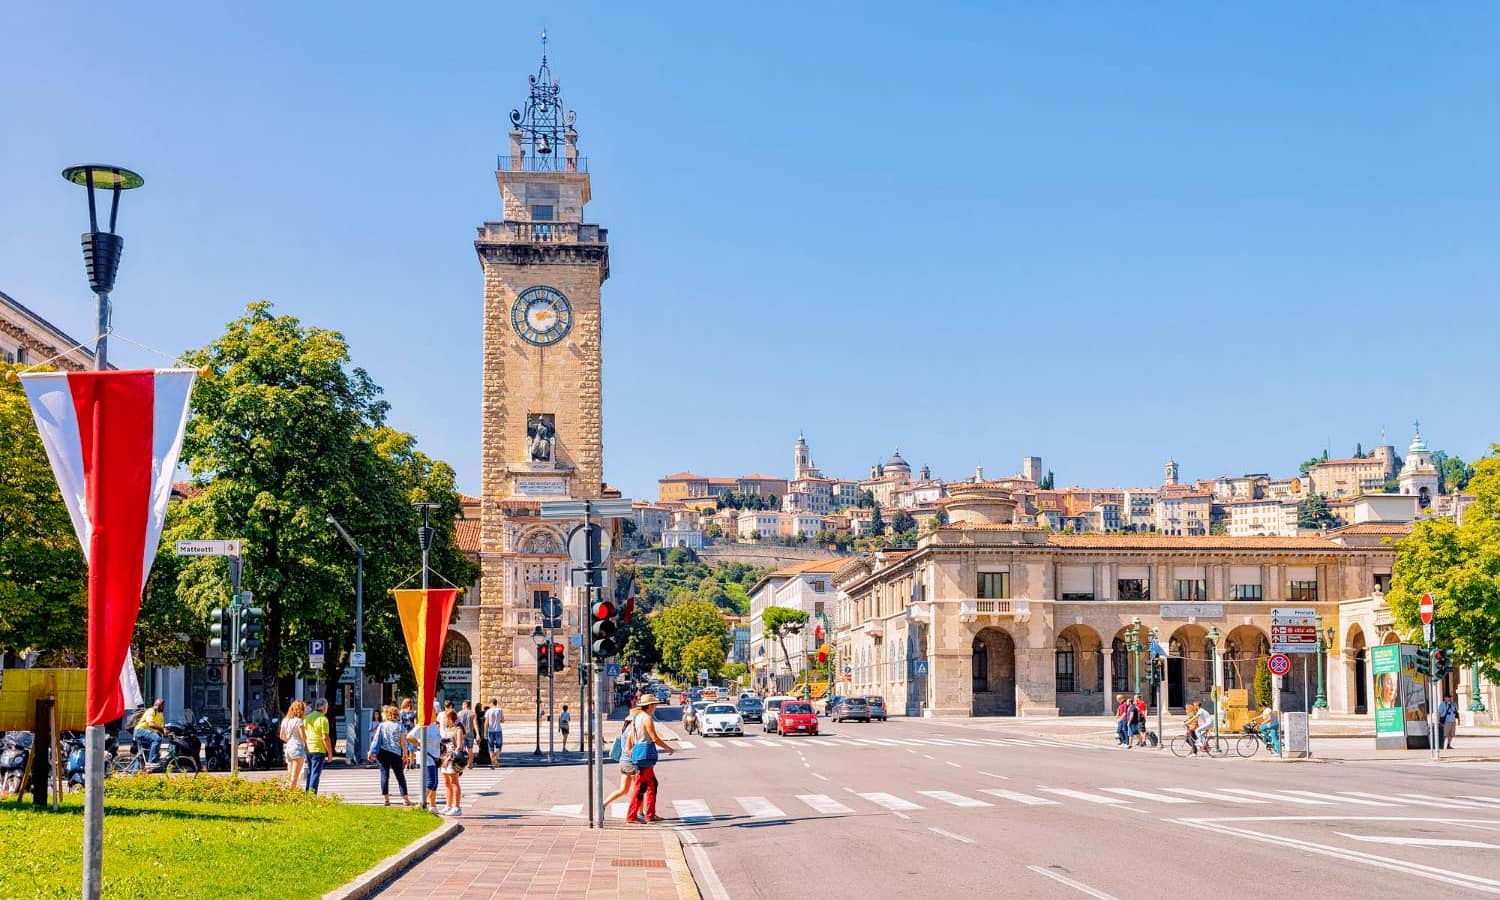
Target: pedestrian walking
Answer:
[[564, 719], [408, 714], [628, 771], [455, 760], [385, 750], [466, 723], [434, 756], [1138, 720], [319, 745], [494, 725], [643, 742], [1122, 722], [294, 742], [1447, 722]]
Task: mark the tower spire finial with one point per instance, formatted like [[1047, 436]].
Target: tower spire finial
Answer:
[[544, 45]]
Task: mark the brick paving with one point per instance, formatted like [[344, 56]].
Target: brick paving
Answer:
[[531, 857]]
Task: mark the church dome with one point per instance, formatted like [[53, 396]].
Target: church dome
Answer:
[[1417, 444], [896, 462]]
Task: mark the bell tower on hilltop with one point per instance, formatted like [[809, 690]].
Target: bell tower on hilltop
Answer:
[[542, 417]]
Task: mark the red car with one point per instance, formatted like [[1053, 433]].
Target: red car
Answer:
[[797, 717]]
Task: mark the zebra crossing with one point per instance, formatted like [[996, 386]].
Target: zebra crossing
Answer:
[[750, 742], [861, 801], [362, 786]]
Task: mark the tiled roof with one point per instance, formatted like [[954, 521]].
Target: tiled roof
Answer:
[[815, 566], [758, 476], [682, 476], [1375, 528], [1174, 542], [466, 535]]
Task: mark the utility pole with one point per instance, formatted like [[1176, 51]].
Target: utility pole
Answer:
[[234, 667]]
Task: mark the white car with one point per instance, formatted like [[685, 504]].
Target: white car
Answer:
[[720, 719]]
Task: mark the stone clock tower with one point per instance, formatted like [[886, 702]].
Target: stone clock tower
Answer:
[[543, 269]]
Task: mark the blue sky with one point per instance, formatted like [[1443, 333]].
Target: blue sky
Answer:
[[1099, 233]]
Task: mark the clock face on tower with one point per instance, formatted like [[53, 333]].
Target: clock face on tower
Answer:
[[541, 315]]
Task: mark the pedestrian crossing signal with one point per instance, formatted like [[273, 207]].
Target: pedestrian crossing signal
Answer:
[[1442, 663]]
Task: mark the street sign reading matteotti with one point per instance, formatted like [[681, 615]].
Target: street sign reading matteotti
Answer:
[[207, 548], [1294, 630]]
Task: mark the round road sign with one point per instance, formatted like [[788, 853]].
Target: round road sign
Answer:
[[1279, 664], [1425, 607]]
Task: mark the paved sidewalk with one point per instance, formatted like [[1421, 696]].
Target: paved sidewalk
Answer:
[[513, 857]]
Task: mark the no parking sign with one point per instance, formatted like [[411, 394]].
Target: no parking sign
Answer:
[[1279, 664]]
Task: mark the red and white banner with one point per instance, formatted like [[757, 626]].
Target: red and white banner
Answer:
[[113, 439]]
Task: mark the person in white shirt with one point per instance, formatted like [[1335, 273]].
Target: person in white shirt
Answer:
[[494, 721]]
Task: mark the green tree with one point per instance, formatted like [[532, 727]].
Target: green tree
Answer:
[[1453, 473], [682, 622], [43, 595], [877, 522], [735, 672], [638, 647], [284, 432], [1359, 450], [866, 499], [1307, 464], [903, 522], [703, 653], [1048, 481], [1262, 682], [781, 622], [1459, 565], [1313, 512]]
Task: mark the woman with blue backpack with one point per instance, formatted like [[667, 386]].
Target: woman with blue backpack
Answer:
[[641, 743]]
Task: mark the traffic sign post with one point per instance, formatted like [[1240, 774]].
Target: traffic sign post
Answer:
[[1279, 664], [316, 652], [1294, 631], [1424, 608], [207, 548], [1429, 635]]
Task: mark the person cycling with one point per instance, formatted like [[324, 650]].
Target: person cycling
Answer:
[[1268, 724], [1203, 723]]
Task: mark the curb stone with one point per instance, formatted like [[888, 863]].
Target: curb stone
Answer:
[[682, 874], [385, 871]]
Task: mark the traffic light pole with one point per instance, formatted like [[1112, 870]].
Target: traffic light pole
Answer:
[[234, 667], [551, 704]]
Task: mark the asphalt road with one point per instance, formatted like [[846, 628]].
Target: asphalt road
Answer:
[[981, 808]]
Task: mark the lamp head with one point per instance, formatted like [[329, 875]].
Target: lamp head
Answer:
[[537, 636]]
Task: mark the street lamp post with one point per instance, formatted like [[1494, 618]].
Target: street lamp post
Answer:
[[1321, 701], [101, 260], [1135, 680], [1476, 703], [539, 637], [359, 642]]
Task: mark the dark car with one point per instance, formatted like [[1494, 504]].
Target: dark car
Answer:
[[751, 708], [877, 707], [851, 708], [661, 694]]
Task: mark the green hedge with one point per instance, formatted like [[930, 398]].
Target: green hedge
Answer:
[[211, 789]]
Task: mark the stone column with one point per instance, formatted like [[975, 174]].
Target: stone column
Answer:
[[1107, 661]]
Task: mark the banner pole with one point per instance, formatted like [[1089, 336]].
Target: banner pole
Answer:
[[93, 764]]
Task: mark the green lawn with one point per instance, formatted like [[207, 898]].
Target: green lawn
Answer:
[[170, 849]]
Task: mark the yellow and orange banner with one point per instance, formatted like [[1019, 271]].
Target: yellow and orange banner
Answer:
[[424, 622]]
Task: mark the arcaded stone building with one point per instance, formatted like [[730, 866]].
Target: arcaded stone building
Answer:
[[542, 421], [1009, 619]]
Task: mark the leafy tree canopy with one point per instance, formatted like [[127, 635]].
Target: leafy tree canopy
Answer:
[[679, 624], [1460, 566], [703, 653]]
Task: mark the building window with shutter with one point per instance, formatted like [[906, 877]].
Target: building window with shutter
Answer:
[[1302, 591], [994, 586], [1245, 591], [1132, 589], [1190, 589]]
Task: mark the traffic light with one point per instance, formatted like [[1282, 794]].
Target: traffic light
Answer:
[[1158, 671], [559, 656], [543, 660], [1424, 661], [219, 625], [252, 626], [1442, 663], [602, 628]]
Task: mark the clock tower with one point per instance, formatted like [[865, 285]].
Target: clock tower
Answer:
[[542, 406]]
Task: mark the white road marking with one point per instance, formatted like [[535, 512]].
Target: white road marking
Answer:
[[1447, 876], [1210, 795], [955, 799], [707, 745], [704, 869], [953, 764], [816, 775], [1075, 885], [1335, 798], [619, 808], [1481, 799], [949, 834], [1417, 841], [1147, 795], [1267, 795], [568, 809], [772, 744], [820, 742], [1080, 795], [682, 745], [889, 801], [1420, 800], [1018, 797], [760, 807], [692, 810], [993, 775], [825, 804]]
